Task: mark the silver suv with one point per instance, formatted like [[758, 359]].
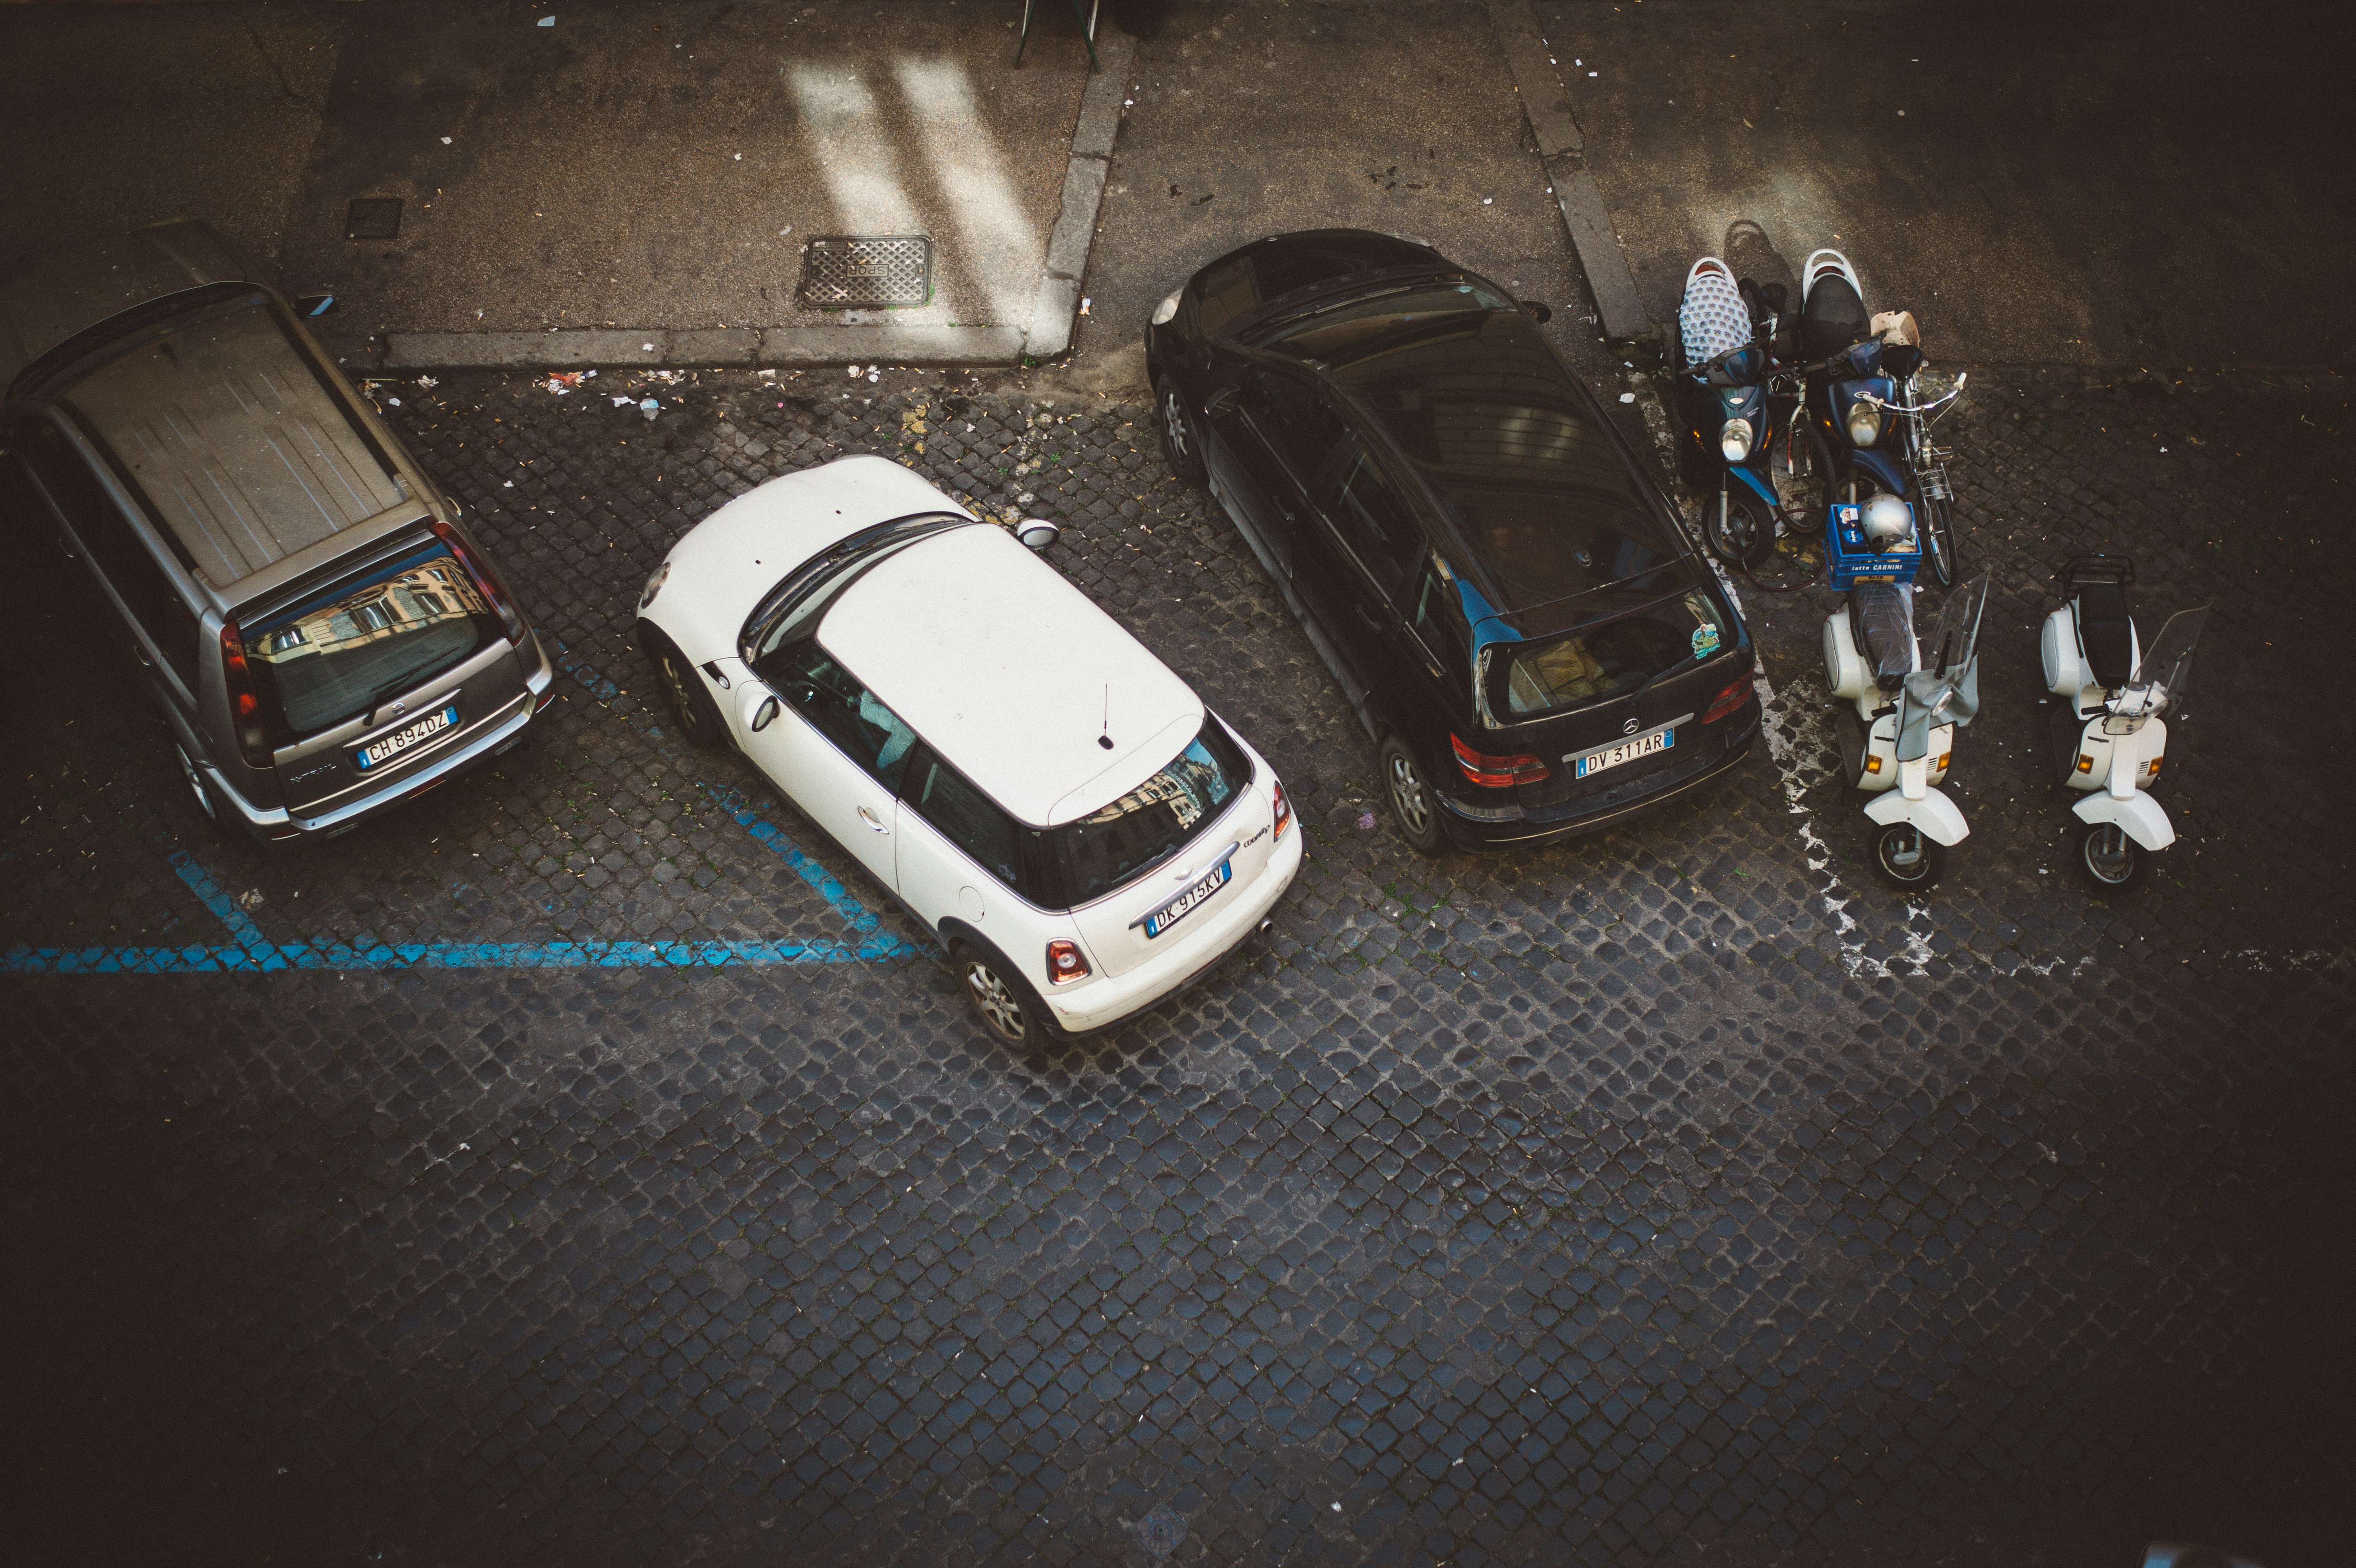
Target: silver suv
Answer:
[[321, 633]]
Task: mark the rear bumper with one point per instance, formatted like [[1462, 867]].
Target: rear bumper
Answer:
[[1571, 820], [280, 825], [1109, 999]]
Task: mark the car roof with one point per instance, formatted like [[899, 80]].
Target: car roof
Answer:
[[1527, 477], [1011, 674], [238, 450]]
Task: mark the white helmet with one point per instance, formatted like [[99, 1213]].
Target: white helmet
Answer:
[[1888, 521]]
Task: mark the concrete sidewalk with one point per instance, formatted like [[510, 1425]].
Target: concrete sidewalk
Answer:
[[631, 184]]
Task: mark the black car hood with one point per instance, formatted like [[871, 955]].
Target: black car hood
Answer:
[[1245, 280], [1533, 484]]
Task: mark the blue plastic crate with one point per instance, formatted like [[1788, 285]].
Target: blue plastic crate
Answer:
[[1850, 560]]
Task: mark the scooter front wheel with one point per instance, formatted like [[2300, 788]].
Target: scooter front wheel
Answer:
[[1739, 527], [1908, 859], [2111, 861]]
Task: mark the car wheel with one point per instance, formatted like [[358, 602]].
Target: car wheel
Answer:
[[1908, 859], [207, 801], [2111, 861], [1181, 443], [997, 997], [691, 703], [1414, 807]]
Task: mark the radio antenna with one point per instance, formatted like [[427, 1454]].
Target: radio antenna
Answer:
[[1104, 738]]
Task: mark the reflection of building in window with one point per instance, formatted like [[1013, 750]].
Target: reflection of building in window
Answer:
[[420, 597], [1191, 786]]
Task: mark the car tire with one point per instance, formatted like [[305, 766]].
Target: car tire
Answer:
[[209, 801], [682, 685], [1182, 439], [997, 998], [2109, 861], [1415, 806], [1907, 858]]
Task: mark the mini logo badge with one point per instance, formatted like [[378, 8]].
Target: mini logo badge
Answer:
[[399, 709], [1630, 728]]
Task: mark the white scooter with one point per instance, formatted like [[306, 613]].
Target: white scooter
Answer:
[[2108, 739], [1900, 733]]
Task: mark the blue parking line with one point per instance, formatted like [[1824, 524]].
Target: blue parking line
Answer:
[[250, 952]]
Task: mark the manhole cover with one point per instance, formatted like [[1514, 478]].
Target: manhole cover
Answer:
[[1160, 1530], [372, 218], [852, 272]]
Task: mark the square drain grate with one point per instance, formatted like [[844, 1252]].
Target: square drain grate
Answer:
[[855, 271], [372, 218]]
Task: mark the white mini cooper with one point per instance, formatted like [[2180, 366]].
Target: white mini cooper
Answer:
[[1035, 788]]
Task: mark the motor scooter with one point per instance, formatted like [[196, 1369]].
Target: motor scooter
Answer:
[[1868, 425], [1726, 333], [1901, 729], [2108, 738]]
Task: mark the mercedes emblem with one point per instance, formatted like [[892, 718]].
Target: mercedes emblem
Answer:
[[1630, 728]]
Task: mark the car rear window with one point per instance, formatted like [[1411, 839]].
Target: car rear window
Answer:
[[1529, 681], [1112, 846], [336, 654]]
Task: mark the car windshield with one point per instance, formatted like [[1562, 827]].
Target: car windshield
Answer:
[[795, 605], [1120, 842], [336, 654], [1342, 332], [1530, 680]]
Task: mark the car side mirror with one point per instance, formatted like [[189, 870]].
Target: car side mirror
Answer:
[[315, 304], [1218, 402], [1037, 532], [1538, 313], [764, 715]]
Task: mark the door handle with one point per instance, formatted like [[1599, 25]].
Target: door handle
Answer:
[[1368, 617], [873, 820]]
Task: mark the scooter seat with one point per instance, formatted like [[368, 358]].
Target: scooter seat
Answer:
[[1835, 317], [2105, 633], [1713, 318], [1881, 617]]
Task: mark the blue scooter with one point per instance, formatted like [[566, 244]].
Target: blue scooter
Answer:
[[1726, 395]]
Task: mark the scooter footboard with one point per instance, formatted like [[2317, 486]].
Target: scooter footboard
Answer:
[[2141, 815], [1934, 813]]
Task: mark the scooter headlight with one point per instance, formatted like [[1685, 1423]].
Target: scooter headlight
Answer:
[[1734, 440], [1166, 309], [1864, 423]]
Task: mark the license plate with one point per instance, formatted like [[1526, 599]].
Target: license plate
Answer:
[[1627, 751], [1170, 914], [401, 740]]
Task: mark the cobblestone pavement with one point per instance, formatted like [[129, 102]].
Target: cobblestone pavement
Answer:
[[1674, 1195]]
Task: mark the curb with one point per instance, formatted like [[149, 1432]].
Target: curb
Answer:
[[1562, 150], [1054, 308]]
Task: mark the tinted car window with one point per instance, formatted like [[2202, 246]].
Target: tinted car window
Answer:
[[121, 557], [335, 654], [1342, 332], [1305, 435], [841, 708], [966, 819], [1607, 660], [1112, 846], [1438, 619], [1375, 523]]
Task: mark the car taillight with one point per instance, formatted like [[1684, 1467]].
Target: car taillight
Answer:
[[1283, 810], [493, 588], [1066, 962], [1496, 773], [1737, 692], [244, 701]]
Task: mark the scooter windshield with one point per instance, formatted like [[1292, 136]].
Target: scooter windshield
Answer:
[[2159, 681], [1956, 633], [1946, 689]]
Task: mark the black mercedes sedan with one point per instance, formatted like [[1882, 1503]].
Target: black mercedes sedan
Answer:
[[1514, 608]]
